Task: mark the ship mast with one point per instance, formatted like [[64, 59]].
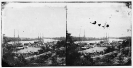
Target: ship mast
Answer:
[[14, 36]]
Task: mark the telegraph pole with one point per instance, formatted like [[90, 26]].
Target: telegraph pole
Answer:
[[66, 18], [66, 24]]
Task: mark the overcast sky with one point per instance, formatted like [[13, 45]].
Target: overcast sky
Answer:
[[33, 20], [49, 19], [117, 15]]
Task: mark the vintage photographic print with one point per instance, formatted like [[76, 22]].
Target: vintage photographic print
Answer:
[[99, 34], [66, 33], [33, 34]]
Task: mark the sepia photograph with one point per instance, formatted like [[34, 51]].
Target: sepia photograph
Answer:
[[33, 34], [66, 33], [99, 34]]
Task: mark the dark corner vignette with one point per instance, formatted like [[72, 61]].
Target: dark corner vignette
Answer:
[[3, 5]]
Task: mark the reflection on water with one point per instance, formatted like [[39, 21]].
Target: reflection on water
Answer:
[[97, 41]]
